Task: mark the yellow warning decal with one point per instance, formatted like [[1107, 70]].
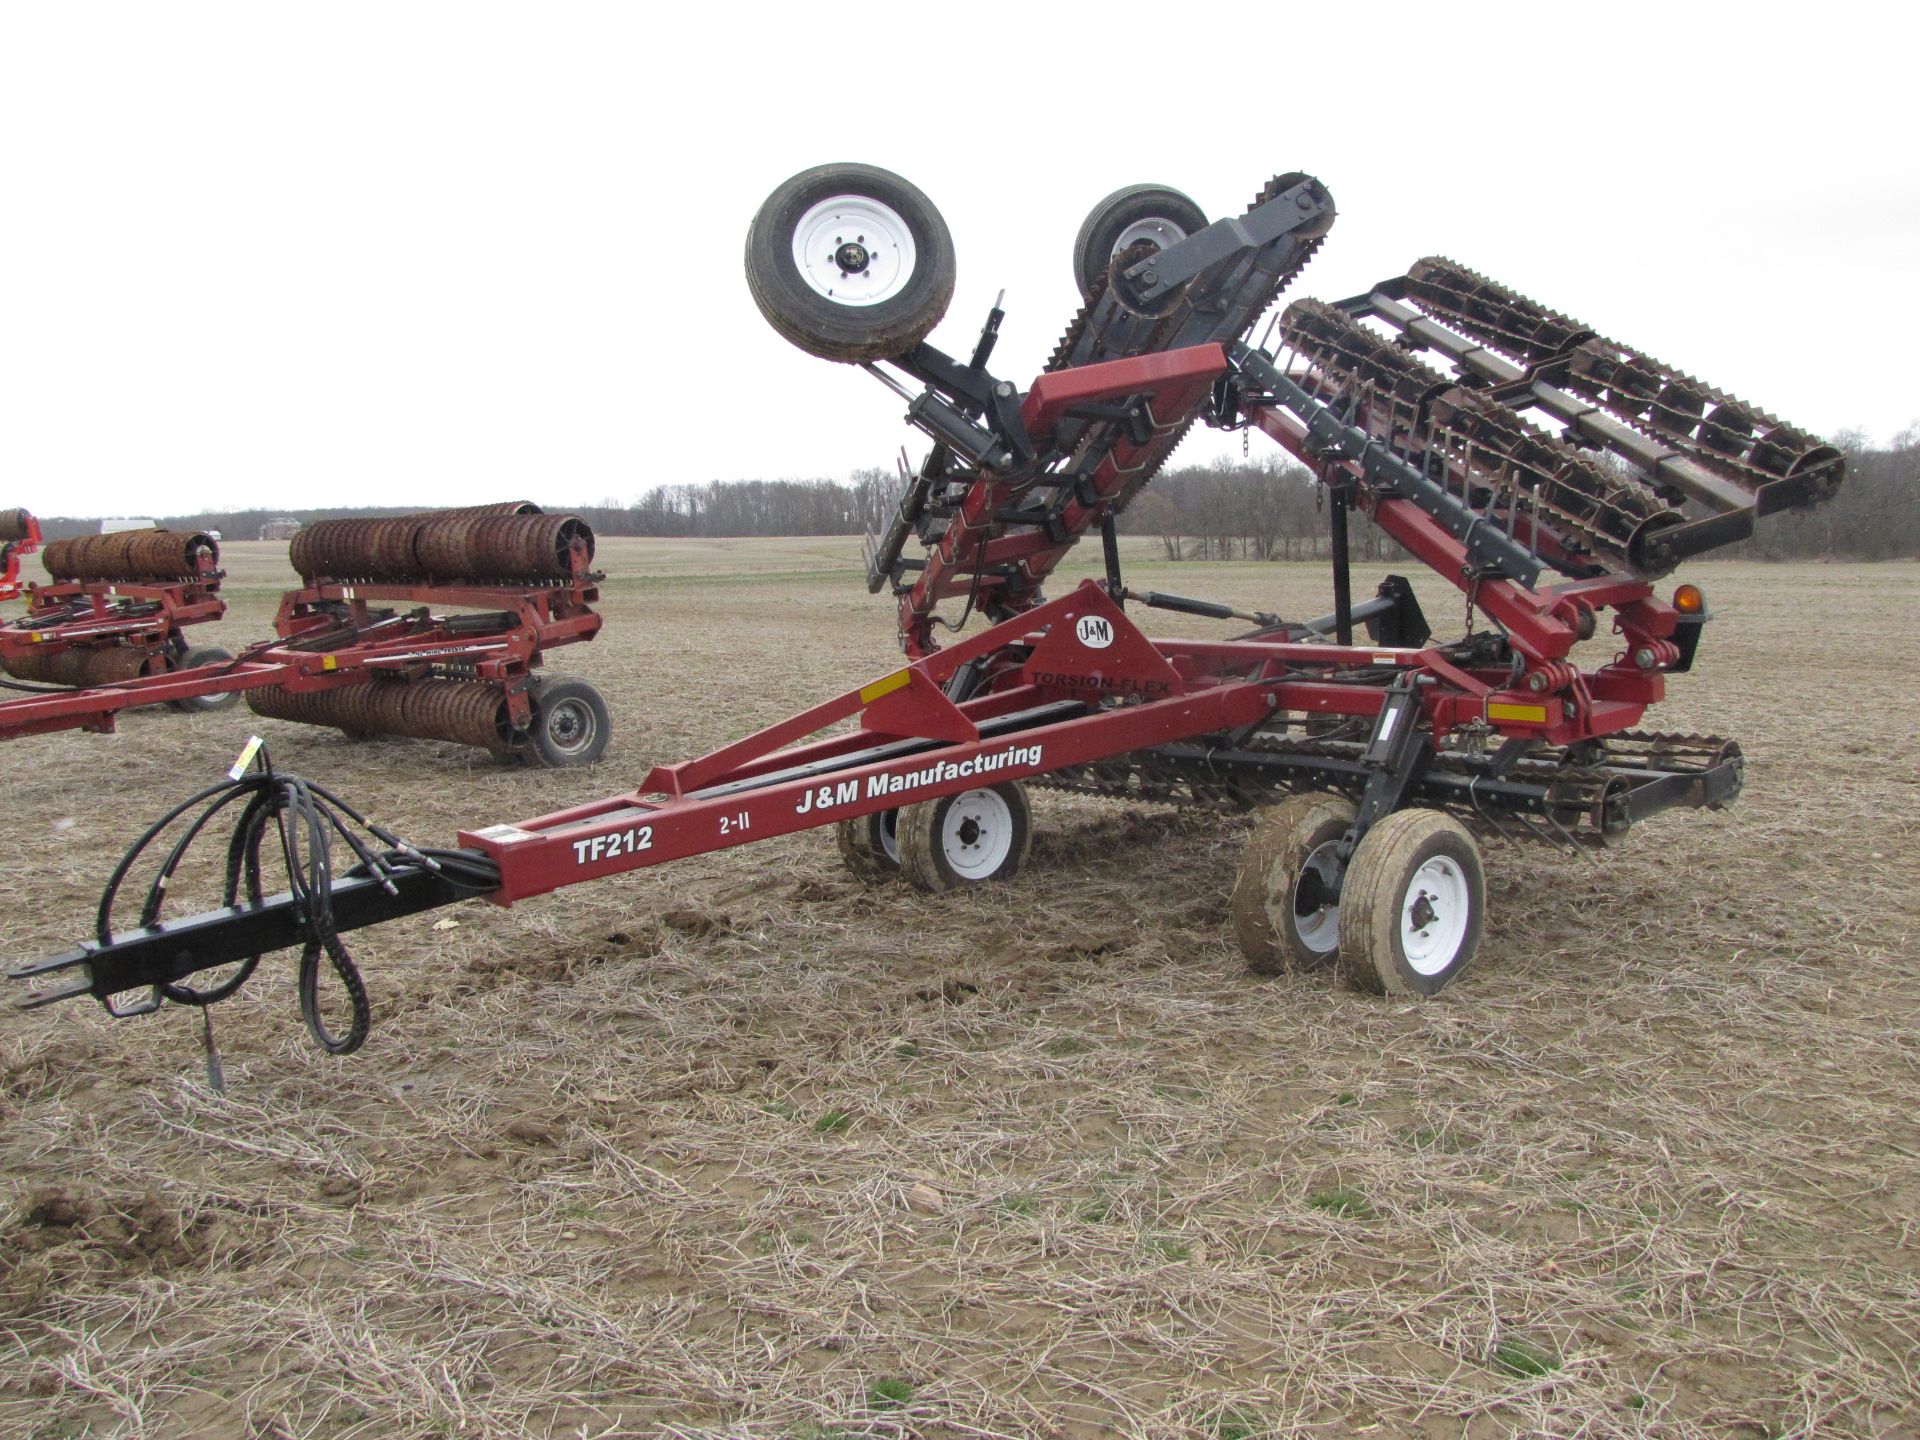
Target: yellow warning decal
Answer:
[[885, 685], [329, 662], [1530, 714]]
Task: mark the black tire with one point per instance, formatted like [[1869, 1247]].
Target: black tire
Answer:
[[965, 839], [193, 660], [571, 725], [1154, 213], [1387, 880], [1280, 914], [912, 291], [870, 844]]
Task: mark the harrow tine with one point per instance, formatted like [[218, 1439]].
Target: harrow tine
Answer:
[[1688, 440], [1468, 442]]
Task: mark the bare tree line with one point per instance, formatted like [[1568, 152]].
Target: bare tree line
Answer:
[[1264, 509]]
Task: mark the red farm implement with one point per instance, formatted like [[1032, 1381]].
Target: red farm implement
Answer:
[[520, 583], [116, 608], [1383, 753], [19, 538]]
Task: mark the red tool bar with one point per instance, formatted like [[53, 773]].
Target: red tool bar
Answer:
[[95, 709], [630, 834], [1058, 391], [1092, 686]]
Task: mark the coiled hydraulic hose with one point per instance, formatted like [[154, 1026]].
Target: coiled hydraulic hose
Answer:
[[306, 819]]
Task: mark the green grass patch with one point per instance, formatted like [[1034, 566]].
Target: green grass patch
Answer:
[[891, 1393], [834, 1122], [1170, 1247], [1350, 1204], [1233, 1422], [1064, 1046], [1022, 1205], [1523, 1358]]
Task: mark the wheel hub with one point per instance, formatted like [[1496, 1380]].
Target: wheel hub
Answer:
[[1423, 913], [852, 257], [567, 724]]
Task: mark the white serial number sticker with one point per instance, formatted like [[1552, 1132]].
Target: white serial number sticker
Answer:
[[609, 847]]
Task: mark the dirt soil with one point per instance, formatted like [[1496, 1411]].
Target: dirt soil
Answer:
[[744, 1146]]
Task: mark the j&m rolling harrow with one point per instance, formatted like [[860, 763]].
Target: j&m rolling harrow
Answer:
[[1548, 474], [116, 608], [520, 582]]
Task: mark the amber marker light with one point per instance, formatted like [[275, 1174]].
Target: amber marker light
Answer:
[[1689, 601]]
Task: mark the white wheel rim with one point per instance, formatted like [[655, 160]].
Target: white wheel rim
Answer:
[[854, 250], [1161, 232], [1317, 929], [977, 835], [1433, 915]]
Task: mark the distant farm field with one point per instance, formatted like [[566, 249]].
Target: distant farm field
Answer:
[[743, 1146]]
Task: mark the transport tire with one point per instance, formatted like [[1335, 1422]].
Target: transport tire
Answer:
[[870, 844], [193, 660], [1281, 914], [1412, 905], [965, 839], [571, 725], [850, 262], [1136, 215]]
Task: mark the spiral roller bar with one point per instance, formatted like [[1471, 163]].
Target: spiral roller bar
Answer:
[[15, 525], [82, 666], [462, 711], [513, 543], [134, 556]]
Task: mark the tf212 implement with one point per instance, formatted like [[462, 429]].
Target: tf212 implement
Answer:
[[1381, 753]]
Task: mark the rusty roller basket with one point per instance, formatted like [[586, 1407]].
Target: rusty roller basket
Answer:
[[133, 556], [13, 525], [509, 542], [463, 711], [80, 667]]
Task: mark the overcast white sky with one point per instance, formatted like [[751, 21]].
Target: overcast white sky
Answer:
[[259, 254]]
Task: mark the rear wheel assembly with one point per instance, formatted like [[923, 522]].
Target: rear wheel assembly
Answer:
[[571, 725], [965, 839], [870, 844], [850, 262], [1412, 905], [1151, 217], [1286, 906], [193, 660]]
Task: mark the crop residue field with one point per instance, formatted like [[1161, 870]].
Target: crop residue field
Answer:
[[745, 1146]]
